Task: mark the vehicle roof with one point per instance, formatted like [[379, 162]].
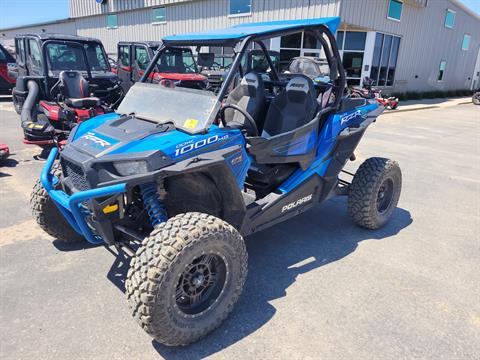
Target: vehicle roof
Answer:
[[147, 43], [52, 36], [236, 33]]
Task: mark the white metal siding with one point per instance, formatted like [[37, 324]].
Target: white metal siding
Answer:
[[80, 8], [425, 41], [198, 15], [61, 27]]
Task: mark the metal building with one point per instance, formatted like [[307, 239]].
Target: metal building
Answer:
[[404, 45]]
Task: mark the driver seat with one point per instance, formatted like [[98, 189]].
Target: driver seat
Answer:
[[249, 94], [76, 90]]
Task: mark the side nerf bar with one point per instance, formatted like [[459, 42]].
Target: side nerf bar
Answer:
[[69, 204]]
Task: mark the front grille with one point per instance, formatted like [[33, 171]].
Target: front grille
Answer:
[[75, 173]]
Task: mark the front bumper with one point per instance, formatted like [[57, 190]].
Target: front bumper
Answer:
[[69, 205]]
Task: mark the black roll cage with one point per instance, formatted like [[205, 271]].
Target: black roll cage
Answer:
[[337, 72]]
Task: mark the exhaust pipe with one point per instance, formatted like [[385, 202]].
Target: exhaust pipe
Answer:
[[27, 108]]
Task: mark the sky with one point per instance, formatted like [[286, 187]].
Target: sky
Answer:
[[23, 12]]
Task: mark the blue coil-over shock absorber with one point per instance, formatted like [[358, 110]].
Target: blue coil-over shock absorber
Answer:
[[151, 201]]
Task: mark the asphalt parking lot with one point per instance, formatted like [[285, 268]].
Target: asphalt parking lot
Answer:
[[318, 286]]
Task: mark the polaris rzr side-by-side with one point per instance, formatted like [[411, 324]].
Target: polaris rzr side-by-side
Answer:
[[61, 80], [176, 66], [178, 177]]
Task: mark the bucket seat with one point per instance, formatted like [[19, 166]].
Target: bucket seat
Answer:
[[292, 108], [249, 95]]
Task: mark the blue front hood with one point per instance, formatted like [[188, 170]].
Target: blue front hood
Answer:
[[112, 134]]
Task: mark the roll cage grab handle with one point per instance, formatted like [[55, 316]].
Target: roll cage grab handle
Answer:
[[336, 67]]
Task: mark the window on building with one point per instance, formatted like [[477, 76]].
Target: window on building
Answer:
[[450, 19], [395, 8], [238, 7], [124, 55], [159, 15], [466, 42], [352, 46], [441, 70], [112, 21], [34, 53], [384, 61]]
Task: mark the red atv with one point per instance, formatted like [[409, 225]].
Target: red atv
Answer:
[[369, 92], [4, 152], [55, 119], [176, 66]]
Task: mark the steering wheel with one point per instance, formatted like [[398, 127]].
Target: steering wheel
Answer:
[[253, 125]]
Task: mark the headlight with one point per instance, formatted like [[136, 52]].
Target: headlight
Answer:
[[132, 167]]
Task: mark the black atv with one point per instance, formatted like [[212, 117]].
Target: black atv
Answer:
[[61, 80]]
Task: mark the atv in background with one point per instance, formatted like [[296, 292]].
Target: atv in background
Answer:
[[367, 91], [178, 177], [4, 152], [7, 82], [176, 66], [61, 80], [216, 66], [476, 97]]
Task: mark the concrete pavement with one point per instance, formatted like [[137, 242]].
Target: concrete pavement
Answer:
[[318, 286]]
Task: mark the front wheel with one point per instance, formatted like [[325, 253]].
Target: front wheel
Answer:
[[186, 277], [47, 214], [374, 192], [476, 98]]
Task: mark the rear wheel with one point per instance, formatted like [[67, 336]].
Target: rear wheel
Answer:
[[47, 214], [374, 192], [186, 277]]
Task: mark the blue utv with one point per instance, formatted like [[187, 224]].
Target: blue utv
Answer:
[[177, 177]]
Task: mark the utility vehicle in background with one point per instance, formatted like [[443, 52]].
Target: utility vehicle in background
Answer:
[[216, 66], [176, 66], [177, 177], [61, 80], [367, 91], [6, 81]]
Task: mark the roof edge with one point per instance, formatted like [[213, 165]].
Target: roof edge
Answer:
[[465, 8], [51, 22]]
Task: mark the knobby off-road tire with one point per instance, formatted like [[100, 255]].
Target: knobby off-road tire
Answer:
[[162, 269], [47, 215], [374, 192]]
